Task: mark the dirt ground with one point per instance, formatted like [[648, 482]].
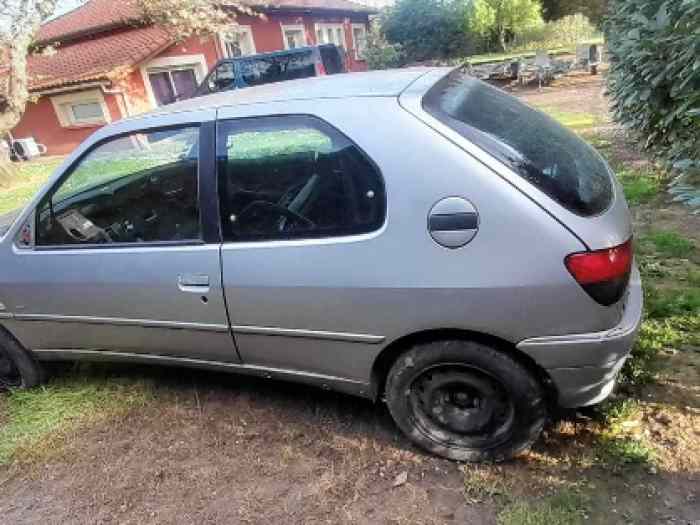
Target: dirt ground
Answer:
[[220, 449]]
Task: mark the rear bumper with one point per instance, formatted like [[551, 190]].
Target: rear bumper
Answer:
[[584, 367]]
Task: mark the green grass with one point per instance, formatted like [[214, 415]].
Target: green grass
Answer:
[[640, 186], [575, 121], [669, 244], [674, 301], [564, 508], [36, 420], [18, 191], [615, 446], [623, 450]]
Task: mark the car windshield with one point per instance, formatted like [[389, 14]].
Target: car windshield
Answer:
[[535, 146]]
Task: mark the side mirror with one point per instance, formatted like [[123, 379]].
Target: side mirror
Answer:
[[25, 238]]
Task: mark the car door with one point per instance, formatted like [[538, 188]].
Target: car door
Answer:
[[124, 258], [304, 208]]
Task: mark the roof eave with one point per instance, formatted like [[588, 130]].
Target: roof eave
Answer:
[[93, 31]]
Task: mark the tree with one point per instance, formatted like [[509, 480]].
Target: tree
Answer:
[[20, 21], [19, 24], [501, 20], [427, 29], [594, 10]]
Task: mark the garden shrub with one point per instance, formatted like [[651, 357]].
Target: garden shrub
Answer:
[[428, 29], [654, 81]]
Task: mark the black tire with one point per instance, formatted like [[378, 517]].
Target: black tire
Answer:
[[18, 369], [465, 401]]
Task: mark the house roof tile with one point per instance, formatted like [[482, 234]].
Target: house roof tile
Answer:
[[95, 58], [101, 15]]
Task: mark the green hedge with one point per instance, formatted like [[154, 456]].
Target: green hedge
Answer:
[[654, 78]]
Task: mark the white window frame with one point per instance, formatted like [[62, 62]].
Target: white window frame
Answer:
[[195, 62], [62, 105], [293, 27], [247, 31], [358, 55], [324, 26]]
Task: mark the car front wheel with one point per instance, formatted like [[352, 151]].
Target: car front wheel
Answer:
[[465, 401]]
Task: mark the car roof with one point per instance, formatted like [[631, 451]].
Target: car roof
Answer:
[[388, 83]]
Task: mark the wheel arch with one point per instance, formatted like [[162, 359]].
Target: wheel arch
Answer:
[[383, 362]]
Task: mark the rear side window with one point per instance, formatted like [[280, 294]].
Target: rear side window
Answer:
[[532, 144], [277, 68], [295, 177]]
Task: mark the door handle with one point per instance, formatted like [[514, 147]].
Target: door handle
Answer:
[[193, 283]]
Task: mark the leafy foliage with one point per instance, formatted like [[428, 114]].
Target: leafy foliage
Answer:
[[502, 21], [427, 29], [380, 54], [565, 32], [594, 10], [654, 80]]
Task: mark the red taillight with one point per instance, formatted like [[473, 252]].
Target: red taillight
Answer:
[[602, 273]]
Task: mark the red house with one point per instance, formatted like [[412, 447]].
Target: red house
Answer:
[[107, 66]]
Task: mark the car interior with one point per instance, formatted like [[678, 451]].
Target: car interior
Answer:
[[157, 204], [307, 193]]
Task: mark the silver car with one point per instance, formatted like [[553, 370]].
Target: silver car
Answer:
[[415, 236]]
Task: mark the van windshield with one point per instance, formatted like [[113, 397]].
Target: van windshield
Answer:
[[536, 147]]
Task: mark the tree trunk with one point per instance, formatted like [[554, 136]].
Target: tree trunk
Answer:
[[502, 39], [7, 172]]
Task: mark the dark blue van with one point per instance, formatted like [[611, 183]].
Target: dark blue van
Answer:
[[278, 66]]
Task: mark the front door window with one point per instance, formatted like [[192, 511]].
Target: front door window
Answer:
[[137, 188]]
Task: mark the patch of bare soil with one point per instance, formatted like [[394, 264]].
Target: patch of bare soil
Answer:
[[236, 450], [578, 92]]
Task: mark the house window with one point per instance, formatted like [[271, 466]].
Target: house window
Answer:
[[240, 43], [84, 108], [331, 34], [171, 85], [294, 36], [169, 79], [359, 40]]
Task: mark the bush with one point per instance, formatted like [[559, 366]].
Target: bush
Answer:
[[380, 54], [428, 29], [654, 78]]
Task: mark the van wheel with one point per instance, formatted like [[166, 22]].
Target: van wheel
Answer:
[[465, 401], [17, 367]]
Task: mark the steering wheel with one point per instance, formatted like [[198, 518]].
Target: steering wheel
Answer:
[[278, 209]]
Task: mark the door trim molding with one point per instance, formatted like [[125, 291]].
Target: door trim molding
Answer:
[[121, 321], [312, 334]]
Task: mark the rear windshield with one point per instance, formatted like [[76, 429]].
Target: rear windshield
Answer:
[[535, 146]]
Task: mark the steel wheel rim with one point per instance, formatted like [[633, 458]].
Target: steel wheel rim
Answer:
[[458, 405], [9, 374]]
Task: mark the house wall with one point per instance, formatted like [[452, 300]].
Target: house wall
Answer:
[[41, 122]]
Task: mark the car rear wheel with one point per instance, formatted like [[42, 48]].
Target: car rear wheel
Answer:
[[17, 368], [465, 401]]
